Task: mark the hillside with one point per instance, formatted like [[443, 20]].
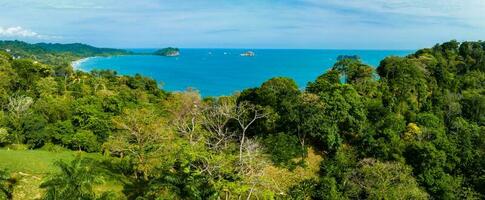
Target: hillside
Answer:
[[54, 53], [416, 132]]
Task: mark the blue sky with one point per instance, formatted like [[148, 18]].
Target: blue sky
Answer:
[[326, 24]]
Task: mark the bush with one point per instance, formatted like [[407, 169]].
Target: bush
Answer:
[[85, 140], [53, 148], [4, 137]]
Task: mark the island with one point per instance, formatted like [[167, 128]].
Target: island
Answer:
[[353, 57], [169, 52], [248, 54]]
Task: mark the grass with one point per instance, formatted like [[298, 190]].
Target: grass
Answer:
[[29, 167], [33, 161]]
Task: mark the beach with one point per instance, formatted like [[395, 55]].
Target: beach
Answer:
[[76, 65]]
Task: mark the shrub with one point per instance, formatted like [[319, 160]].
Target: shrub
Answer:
[[53, 148], [4, 137]]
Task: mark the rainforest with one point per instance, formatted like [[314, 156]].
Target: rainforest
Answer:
[[412, 127]]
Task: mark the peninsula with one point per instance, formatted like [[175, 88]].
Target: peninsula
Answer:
[[169, 52]]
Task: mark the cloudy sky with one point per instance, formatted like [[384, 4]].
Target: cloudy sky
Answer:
[[327, 24]]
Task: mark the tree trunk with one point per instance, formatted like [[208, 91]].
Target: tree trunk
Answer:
[[242, 144]]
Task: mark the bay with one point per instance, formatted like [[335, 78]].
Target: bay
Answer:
[[216, 72]]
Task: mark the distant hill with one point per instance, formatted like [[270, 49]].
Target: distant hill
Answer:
[[78, 48], [55, 53], [169, 51]]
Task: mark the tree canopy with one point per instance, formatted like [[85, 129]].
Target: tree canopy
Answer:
[[412, 128]]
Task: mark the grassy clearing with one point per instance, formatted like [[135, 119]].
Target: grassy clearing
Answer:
[[29, 167], [33, 161]]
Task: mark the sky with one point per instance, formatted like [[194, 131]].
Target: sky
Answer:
[[315, 24]]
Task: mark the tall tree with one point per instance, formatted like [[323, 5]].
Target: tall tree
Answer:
[[141, 137], [18, 108]]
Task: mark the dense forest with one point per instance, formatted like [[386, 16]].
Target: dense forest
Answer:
[[55, 54], [412, 128]]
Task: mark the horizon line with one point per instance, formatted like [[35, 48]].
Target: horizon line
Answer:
[[242, 48], [266, 48]]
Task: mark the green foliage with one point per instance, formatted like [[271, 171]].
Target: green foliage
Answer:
[[85, 140], [74, 181], [56, 54], [377, 180], [404, 81], [353, 71], [339, 114], [4, 137], [7, 184], [280, 96], [53, 148], [416, 132], [473, 105], [284, 148]]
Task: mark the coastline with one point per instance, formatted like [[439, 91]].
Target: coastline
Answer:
[[76, 65]]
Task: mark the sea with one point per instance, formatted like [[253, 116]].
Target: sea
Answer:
[[218, 72]]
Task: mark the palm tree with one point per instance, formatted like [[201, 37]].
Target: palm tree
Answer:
[[73, 182]]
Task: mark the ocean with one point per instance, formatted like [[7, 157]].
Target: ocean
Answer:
[[216, 72]]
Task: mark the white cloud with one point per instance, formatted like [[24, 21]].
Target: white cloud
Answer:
[[17, 31], [20, 32]]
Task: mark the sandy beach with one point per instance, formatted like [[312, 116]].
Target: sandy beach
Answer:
[[76, 65]]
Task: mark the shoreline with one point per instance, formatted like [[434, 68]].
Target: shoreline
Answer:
[[76, 65]]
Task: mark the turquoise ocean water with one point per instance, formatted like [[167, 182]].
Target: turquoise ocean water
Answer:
[[217, 72]]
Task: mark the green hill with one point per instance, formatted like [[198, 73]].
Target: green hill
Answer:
[[55, 53], [170, 52], [416, 132]]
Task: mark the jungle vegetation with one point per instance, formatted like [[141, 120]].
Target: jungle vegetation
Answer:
[[412, 128]]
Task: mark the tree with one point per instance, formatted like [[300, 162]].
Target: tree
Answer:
[[429, 166], [282, 96], [85, 140], [142, 137], [283, 149], [353, 70], [388, 180], [473, 104], [4, 137], [405, 86], [333, 115], [74, 181], [18, 108], [325, 82], [46, 86], [185, 111], [245, 114], [216, 117]]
